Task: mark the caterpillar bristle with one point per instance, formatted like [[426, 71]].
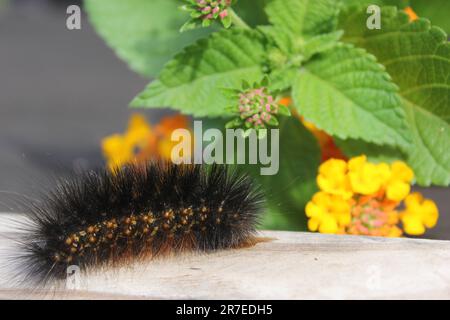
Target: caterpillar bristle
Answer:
[[139, 211]]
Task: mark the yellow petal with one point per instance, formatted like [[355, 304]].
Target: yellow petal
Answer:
[[401, 171], [137, 121], [138, 131], [333, 179], [313, 210], [324, 184], [431, 213], [333, 166], [328, 225], [321, 198], [313, 224], [344, 219], [116, 151], [339, 205], [413, 200], [357, 163], [383, 172], [413, 227], [397, 190], [395, 232], [112, 145], [165, 148], [365, 180]]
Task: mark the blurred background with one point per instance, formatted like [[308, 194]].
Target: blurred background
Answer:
[[61, 93]]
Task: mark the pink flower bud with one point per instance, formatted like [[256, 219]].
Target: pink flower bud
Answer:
[[223, 14], [259, 91]]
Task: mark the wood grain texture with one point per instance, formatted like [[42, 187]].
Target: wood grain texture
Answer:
[[290, 266]]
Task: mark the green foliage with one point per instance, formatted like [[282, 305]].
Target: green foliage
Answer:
[[252, 11], [383, 92], [398, 3], [435, 10], [143, 33], [295, 183], [303, 17], [375, 153], [348, 94], [417, 56], [192, 80]]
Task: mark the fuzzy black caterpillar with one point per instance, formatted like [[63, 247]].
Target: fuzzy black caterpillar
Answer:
[[138, 211]]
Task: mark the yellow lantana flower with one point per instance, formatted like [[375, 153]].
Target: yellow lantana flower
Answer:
[[116, 151], [120, 149], [138, 131], [362, 198], [327, 213], [333, 178], [399, 184], [419, 214], [141, 142], [367, 178]]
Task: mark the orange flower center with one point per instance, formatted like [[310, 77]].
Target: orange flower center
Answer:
[[370, 218]]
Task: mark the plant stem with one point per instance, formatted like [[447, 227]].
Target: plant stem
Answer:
[[237, 21]]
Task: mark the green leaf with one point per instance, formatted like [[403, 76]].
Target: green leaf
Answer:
[[252, 11], [236, 123], [375, 153], [227, 22], [191, 82], [279, 38], [282, 79], [288, 191], [398, 3], [435, 10], [144, 33], [306, 46], [287, 55], [348, 94], [321, 43], [304, 17], [417, 56]]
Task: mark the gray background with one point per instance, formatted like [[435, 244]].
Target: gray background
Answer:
[[61, 92]]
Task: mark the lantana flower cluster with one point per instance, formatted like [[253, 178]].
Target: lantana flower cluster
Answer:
[[141, 141], [362, 198], [256, 107], [204, 12]]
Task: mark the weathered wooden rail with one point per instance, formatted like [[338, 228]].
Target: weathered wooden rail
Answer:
[[290, 266]]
